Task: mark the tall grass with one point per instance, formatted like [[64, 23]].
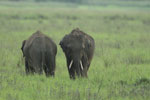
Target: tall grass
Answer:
[[120, 67]]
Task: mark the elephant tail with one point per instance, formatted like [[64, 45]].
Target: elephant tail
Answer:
[[43, 60]]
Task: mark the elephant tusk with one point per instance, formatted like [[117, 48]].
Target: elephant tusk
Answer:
[[70, 64], [81, 64]]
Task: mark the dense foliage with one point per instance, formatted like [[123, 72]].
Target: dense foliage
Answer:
[[82, 1]]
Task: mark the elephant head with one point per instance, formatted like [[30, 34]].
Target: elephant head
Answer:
[[77, 46]]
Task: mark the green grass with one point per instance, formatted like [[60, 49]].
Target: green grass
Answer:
[[120, 67]]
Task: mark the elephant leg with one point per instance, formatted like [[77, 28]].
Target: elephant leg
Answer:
[[50, 65], [37, 65], [39, 70], [31, 70], [46, 70], [85, 65], [27, 69], [84, 73]]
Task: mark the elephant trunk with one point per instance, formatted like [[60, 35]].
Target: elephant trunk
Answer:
[[76, 64]]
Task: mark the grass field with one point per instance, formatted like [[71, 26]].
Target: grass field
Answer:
[[120, 69]]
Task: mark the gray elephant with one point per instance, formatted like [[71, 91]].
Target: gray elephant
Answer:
[[79, 49], [39, 51]]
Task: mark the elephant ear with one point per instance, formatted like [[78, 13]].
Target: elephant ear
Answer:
[[89, 44], [60, 43], [23, 44]]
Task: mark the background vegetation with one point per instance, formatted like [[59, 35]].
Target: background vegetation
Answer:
[[120, 67]]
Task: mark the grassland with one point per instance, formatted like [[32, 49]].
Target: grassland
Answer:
[[120, 69]]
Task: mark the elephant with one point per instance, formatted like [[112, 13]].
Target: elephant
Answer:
[[39, 52], [78, 48]]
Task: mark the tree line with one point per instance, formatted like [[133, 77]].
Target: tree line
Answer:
[[73, 1]]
